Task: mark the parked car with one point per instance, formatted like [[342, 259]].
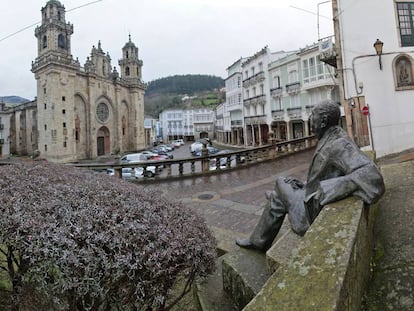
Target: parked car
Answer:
[[134, 173], [175, 144], [133, 158], [178, 141], [165, 154], [222, 163], [211, 150], [149, 154]]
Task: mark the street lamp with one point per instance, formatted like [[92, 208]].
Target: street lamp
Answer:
[[378, 48]]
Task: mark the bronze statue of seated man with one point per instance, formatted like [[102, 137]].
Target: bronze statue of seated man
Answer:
[[339, 169]]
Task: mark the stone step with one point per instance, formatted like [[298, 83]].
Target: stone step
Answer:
[[244, 274], [282, 250], [209, 294]]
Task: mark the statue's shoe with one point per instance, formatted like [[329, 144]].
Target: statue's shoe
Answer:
[[246, 243]]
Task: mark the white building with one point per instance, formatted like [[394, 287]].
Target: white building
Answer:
[[233, 123], [172, 124], [187, 124], [256, 96], [298, 82], [384, 83]]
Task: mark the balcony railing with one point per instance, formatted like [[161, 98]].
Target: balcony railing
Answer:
[[259, 77], [255, 120], [278, 114], [236, 123], [293, 87], [197, 166], [260, 99], [294, 113], [276, 92]]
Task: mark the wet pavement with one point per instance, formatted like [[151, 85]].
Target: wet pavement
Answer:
[[234, 200]]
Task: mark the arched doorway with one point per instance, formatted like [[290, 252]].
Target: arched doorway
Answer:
[[103, 141]]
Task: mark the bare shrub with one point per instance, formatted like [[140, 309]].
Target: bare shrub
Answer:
[[73, 239]]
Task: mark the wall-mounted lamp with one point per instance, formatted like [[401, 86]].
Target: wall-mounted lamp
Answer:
[[378, 48]]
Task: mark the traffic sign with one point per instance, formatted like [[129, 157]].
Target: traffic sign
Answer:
[[365, 110]]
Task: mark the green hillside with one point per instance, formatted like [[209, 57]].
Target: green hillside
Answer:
[[183, 91]]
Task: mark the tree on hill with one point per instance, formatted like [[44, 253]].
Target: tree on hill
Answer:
[[166, 93], [184, 84]]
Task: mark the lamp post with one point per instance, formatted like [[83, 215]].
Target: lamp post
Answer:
[[378, 48]]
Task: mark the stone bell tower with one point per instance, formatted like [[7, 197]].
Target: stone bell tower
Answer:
[[131, 65], [54, 34], [55, 72]]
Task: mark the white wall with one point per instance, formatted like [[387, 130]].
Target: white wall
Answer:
[[392, 112]]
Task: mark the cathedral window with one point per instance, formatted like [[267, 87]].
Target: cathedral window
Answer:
[[124, 125], [64, 124], [64, 144], [45, 127], [127, 71], [44, 42], [45, 106], [102, 112], [63, 111], [127, 54], [45, 147], [61, 42], [44, 90], [63, 98], [77, 129], [58, 16]]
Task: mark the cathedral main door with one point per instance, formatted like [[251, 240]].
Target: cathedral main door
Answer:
[[103, 142]]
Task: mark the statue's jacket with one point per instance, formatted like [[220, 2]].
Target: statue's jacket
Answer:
[[340, 169]]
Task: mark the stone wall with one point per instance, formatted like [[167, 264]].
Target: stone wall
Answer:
[[330, 268]]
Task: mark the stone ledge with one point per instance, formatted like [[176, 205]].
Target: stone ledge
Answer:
[[330, 268]]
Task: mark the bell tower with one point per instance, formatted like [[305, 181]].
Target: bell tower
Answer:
[[55, 72], [131, 65], [53, 35]]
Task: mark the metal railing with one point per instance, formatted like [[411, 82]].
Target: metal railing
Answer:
[[211, 164]]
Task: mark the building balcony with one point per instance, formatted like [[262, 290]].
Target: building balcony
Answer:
[[261, 99], [236, 123], [278, 114], [293, 87], [255, 120], [276, 92], [295, 112], [259, 77]]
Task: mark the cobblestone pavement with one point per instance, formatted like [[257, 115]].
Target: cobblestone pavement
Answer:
[[234, 200]]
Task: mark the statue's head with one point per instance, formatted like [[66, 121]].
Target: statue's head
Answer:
[[324, 115]]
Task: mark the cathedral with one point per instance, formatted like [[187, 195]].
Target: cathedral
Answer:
[[89, 111]]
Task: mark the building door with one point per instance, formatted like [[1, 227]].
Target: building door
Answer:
[[103, 142], [101, 146]]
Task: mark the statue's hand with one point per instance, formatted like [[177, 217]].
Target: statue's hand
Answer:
[[295, 183]]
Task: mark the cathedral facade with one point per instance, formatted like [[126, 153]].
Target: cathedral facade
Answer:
[[89, 111]]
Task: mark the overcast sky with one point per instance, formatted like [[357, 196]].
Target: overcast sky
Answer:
[[173, 36]]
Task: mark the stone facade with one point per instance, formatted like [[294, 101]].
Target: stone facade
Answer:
[[89, 111]]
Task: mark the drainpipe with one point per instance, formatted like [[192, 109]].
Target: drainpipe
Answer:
[[339, 66]]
